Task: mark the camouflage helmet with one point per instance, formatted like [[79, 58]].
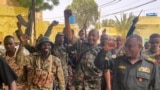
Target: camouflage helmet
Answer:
[[43, 39]]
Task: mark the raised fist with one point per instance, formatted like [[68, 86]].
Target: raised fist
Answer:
[[23, 39], [67, 13], [54, 23]]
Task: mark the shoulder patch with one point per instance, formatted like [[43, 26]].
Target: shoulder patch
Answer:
[[114, 56], [152, 60]]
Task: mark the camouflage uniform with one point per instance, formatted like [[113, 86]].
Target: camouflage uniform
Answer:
[[18, 69], [60, 52], [7, 75], [151, 55], [88, 75], [41, 74]]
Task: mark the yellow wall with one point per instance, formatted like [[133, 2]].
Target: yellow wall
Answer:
[[148, 25], [145, 26], [110, 31], [8, 19], [8, 22]]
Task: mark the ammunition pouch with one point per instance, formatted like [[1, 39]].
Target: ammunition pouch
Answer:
[[43, 79]]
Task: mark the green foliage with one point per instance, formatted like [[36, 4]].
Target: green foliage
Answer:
[[39, 4], [85, 10], [123, 24], [107, 23]]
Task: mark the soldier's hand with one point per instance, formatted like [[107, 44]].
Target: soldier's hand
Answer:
[[54, 23], [18, 25], [110, 45], [23, 39], [67, 13]]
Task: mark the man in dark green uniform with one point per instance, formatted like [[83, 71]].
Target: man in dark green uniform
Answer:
[[7, 75], [132, 71], [108, 54]]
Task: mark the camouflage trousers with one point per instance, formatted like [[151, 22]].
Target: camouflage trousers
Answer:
[[92, 85], [69, 83]]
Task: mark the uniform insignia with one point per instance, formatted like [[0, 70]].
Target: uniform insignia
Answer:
[[106, 58], [114, 56], [122, 67], [140, 79], [152, 60], [144, 69]]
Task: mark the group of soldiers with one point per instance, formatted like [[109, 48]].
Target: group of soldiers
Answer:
[[72, 63]]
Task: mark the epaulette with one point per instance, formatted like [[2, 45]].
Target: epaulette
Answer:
[[152, 60]]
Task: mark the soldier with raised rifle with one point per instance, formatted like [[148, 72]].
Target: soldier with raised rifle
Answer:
[[42, 67]]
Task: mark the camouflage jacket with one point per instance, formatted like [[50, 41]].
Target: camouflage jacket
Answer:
[[41, 73], [18, 69], [88, 75], [60, 52], [148, 53]]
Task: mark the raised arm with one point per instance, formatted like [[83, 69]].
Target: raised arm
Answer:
[[50, 27], [67, 31], [21, 59]]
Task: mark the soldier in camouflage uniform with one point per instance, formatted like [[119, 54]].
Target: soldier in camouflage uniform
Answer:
[[42, 67], [7, 75], [82, 54], [88, 76], [60, 51], [9, 56], [154, 51], [119, 45], [147, 45]]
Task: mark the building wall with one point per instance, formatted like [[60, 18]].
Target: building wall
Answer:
[[148, 25], [8, 22]]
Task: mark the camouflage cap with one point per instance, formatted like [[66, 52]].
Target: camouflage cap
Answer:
[[43, 39]]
